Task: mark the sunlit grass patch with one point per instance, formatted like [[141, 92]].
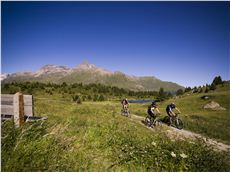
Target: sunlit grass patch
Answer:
[[94, 136]]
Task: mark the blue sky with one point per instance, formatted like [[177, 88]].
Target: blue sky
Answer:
[[182, 42]]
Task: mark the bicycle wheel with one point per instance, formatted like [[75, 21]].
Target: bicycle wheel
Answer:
[[148, 121], [166, 120], [128, 114], [125, 113], [157, 122], [179, 124]]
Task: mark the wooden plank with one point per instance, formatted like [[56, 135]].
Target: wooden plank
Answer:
[[28, 105], [21, 109], [3, 102], [7, 109], [7, 104], [18, 110], [7, 99], [28, 110], [28, 100], [6, 117], [9, 96], [16, 106], [34, 118]]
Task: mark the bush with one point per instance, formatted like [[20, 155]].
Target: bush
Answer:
[[213, 86], [79, 100], [101, 98], [217, 80], [179, 92]]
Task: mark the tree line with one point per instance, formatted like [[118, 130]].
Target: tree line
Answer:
[[203, 89], [79, 92]]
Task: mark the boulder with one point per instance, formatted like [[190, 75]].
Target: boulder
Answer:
[[214, 106], [205, 97]]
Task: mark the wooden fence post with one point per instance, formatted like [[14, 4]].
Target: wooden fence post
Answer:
[[18, 109]]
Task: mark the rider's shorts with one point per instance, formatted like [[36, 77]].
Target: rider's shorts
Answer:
[[125, 106]]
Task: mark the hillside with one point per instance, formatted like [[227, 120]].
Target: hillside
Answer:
[[94, 136], [88, 73], [212, 123], [208, 122]]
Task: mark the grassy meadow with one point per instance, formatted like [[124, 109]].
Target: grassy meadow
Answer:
[[93, 136], [210, 123]]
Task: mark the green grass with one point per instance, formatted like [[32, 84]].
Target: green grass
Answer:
[[210, 123], [93, 136], [214, 124]]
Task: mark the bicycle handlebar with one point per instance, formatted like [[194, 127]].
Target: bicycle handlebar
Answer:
[[177, 114]]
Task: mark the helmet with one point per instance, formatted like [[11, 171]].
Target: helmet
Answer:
[[153, 103], [173, 104]]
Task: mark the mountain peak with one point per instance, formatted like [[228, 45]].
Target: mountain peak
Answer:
[[53, 67], [86, 65], [49, 68], [89, 73]]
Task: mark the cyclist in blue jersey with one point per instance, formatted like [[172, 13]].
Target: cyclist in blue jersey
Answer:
[[169, 110]]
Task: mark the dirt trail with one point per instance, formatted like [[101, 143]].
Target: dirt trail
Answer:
[[175, 134]]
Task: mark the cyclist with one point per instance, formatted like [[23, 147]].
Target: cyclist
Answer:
[[169, 110], [151, 111], [125, 104]]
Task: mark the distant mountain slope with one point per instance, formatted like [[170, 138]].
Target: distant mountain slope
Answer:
[[88, 73]]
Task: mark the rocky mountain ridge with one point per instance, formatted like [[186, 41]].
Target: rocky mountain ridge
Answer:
[[89, 73]]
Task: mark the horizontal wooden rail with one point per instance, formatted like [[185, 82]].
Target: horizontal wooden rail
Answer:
[[16, 106]]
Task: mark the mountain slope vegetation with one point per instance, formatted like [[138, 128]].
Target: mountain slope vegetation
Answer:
[[88, 73]]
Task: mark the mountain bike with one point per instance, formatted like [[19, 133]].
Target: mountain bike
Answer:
[[176, 121], [125, 112], [152, 121]]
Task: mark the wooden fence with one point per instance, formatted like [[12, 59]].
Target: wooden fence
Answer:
[[16, 106]]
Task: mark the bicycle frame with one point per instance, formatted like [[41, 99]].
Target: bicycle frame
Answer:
[[153, 120], [125, 111], [176, 121]]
